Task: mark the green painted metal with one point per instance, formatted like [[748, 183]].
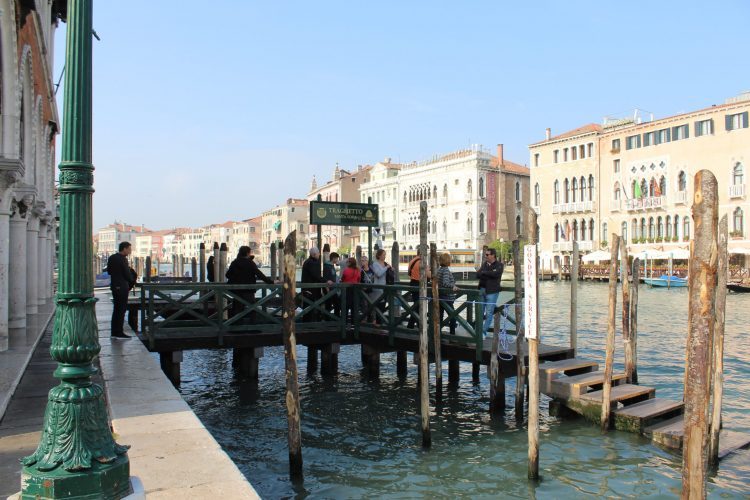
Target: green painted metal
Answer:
[[77, 456]]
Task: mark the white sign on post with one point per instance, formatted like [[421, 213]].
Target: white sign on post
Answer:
[[530, 284]]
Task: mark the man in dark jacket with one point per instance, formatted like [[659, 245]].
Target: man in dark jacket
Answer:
[[489, 282], [311, 273], [121, 283], [329, 274], [244, 271], [210, 270]]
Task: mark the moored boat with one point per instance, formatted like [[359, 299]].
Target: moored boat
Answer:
[[738, 287], [666, 281]]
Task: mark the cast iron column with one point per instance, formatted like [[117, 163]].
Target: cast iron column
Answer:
[[77, 456]]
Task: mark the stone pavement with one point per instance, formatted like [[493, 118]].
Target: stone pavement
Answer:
[[171, 452]]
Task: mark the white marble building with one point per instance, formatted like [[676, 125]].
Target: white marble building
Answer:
[[28, 128]]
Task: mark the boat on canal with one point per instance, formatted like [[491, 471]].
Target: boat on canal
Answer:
[[666, 281], [738, 287]]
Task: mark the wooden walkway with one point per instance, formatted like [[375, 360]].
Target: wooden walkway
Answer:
[[575, 385]]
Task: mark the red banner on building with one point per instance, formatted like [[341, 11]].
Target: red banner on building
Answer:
[[492, 201]]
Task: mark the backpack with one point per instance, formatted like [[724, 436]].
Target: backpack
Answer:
[[412, 264], [390, 276]]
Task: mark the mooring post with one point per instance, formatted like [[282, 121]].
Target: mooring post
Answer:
[[247, 361], [401, 369], [281, 260], [717, 366], [520, 364], [202, 262], [358, 254], [170, 364], [147, 271], [221, 278], [312, 359], [290, 356], [574, 298], [531, 285], [370, 256], [610, 349], [497, 379], [424, 374], [475, 368], [401, 364], [273, 264], [329, 359], [436, 340], [633, 346], [216, 262], [629, 366], [702, 278], [454, 372], [193, 269]]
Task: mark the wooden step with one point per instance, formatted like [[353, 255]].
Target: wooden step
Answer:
[[626, 394], [667, 433], [572, 387], [638, 416], [552, 369]]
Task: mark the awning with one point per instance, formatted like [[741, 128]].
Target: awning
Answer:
[[739, 251], [277, 225], [599, 255]]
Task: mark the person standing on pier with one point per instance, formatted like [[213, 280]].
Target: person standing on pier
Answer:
[[121, 283], [448, 289], [379, 271], [329, 274], [413, 271], [311, 274], [244, 271], [210, 270], [351, 274], [489, 276]]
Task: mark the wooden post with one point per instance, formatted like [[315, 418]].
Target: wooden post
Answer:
[[401, 368], [222, 263], [325, 253], [424, 381], [370, 257], [634, 319], [520, 364], [454, 372], [437, 344], [217, 257], [574, 299], [290, 356], [497, 379], [701, 310], [147, 272], [281, 260], [312, 359], [531, 267], [717, 372], [358, 254], [629, 367], [274, 265], [395, 260], [193, 269], [475, 367], [202, 262], [610, 349]]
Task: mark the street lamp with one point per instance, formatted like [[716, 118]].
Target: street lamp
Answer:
[[77, 456]]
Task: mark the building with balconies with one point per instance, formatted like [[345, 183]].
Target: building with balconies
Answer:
[[281, 220], [634, 177]]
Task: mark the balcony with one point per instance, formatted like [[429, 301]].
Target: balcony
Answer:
[[737, 191], [615, 205], [537, 209], [567, 246], [468, 235], [576, 206], [681, 197], [645, 203]]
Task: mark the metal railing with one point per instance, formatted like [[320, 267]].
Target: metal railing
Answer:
[[737, 191], [644, 203]]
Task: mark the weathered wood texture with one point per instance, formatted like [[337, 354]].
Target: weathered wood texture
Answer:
[[701, 307], [497, 380], [520, 325], [216, 262], [633, 345], [717, 365], [290, 357], [147, 273], [424, 376], [533, 425], [610, 349], [574, 297], [193, 269], [436, 321], [626, 310], [274, 265], [202, 262]]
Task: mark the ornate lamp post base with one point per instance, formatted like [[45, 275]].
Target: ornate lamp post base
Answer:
[[100, 481]]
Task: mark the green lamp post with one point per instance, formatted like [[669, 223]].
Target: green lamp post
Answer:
[[77, 456]]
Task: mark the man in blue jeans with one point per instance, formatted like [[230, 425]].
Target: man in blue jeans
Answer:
[[489, 276]]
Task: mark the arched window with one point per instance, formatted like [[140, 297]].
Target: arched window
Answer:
[[445, 191], [518, 226], [557, 232], [633, 189], [591, 229], [643, 228], [650, 228], [624, 232], [591, 187], [575, 189], [634, 229], [583, 188], [738, 222], [536, 194], [738, 174], [481, 223], [668, 227], [405, 198], [583, 229], [659, 227], [662, 186], [434, 227], [445, 228], [566, 188], [575, 230], [481, 187], [686, 228], [617, 190], [604, 232], [644, 188], [434, 192], [469, 224], [676, 226], [652, 187], [468, 188], [681, 181], [518, 191], [557, 192]]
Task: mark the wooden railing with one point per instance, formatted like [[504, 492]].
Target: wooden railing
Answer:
[[204, 309]]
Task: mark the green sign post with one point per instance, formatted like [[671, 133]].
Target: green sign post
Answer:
[[330, 213], [77, 457]]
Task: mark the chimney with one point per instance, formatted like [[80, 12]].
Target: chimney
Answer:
[[500, 154], [548, 133]]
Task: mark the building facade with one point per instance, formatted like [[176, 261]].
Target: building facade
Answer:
[[245, 233], [110, 237], [344, 186], [28, 127], [279, 221], [382, 189], [635, 178]]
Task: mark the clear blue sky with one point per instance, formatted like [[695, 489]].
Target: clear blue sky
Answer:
[[208, 111]]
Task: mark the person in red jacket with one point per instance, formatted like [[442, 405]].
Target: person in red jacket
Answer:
[[350, 275]]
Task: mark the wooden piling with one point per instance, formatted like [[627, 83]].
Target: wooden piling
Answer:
[[395, 260], [574, 298], [290, 356], [633, 346], [274, 265], [532, 333], [436, 338], [312, 359], [497, 379], [202, 262], [454, 372], [610, 349], [702, 271], [717, 366], [424, 381], [281, 260], [147, 272], [216, 262], [401, 363], [629, 367], [475, 367], [520, 338], [193, 269], [358, 254]]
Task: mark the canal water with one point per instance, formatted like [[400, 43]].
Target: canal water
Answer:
[[361, 438]]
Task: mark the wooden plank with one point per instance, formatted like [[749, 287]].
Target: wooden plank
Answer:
[[573, 387], [567, 365], [624, 393], [668, 433], [636, 417], [731, 441]]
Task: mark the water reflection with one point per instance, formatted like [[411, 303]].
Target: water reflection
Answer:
[[361, 437]]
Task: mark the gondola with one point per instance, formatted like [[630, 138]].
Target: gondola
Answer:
[[738, 288], [666, 281]]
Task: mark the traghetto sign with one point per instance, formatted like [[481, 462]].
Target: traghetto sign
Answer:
[[327, 213], [529, 285]]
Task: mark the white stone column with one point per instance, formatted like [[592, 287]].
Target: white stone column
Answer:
[[4, 252], [32, 271], [51, 257], [41, 281], [17, 272]]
